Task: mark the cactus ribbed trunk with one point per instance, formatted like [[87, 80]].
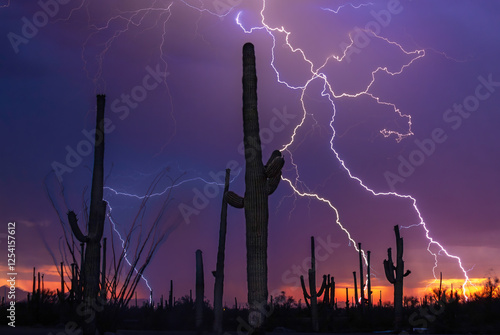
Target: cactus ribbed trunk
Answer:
[[395, 275], [260, 181], [219, 271], [256, 204], [200, 291], [91, 265]]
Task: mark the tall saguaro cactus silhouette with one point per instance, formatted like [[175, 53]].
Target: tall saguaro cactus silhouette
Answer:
[[395, 275], [200, 291], [313, 296], [91, 267], [221, 252], [260, 181]]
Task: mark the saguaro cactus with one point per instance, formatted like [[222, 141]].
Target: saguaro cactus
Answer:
[[313, 296], [347, 298], [356, 302], [33, 294], [260, 182], [368, 253], [219, 271], [171, 294], [200, 291], [91, 267], [395, 275], [331, 285]]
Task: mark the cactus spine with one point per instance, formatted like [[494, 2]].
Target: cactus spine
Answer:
[[395, 275], [90, 267], [313, 296], [260, 182], [219, 272]]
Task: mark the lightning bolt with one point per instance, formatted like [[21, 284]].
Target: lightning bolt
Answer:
[[137, 18], [102, 37], [125, 252], [331, 95], [143, 198], [219, 14], [336, 11], [123, 21]]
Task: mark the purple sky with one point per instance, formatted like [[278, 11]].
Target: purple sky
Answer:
[[54, 60]]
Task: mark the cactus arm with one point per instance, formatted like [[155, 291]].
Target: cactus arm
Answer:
[[389, 267], [235, 200], [272, 184], [73, 222], [303, 284], [274, 164], [323, 286], [407, 273]]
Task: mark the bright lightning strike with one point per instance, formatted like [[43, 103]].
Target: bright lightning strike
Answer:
[[336, 11], [331, 95], [125, 254], [137, 17], [145, 197], [168, 188]]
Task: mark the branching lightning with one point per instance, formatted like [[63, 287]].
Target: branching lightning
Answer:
[[125, 254], [331, 95], [109, 32], [137, 18]]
